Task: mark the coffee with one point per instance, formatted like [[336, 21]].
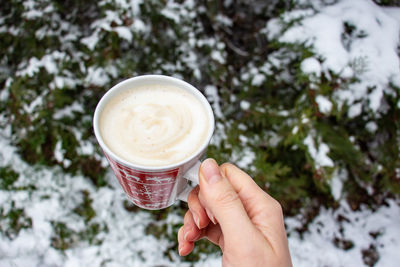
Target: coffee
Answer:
[[154, 125]]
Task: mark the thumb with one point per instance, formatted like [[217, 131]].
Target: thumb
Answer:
[[218, 196]]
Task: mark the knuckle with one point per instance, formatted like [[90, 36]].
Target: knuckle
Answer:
[[276, 206], [187, 217], [193, 195], [226, 198], [226, 166]]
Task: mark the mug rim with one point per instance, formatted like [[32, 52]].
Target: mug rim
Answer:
[[153, 77]]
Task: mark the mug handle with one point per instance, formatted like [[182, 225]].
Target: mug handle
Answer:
[[191, 175]]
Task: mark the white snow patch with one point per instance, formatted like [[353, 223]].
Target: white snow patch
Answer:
[[324, 104], [97, 76], [49, 62], [295, 129], [371, 126], [273, 139], [336, 183], [139, 26], [315, 248], [258, 79], [59, 152], [371, 50], [212, 95], [311, 66], [68, 111], [244, 159], [92, 40], [217, 56], [37, 102], [320, 154], [224, 20], [124, 33], [171, 14], [245, 105], [354, 110]]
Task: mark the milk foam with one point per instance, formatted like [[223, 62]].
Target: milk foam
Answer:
[[154, 125]]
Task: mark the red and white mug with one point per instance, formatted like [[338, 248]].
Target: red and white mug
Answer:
[[157, 187]]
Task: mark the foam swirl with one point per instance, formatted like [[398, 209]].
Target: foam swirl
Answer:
[[154, 125]]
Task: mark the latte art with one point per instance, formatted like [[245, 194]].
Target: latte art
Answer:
[[154, 125]]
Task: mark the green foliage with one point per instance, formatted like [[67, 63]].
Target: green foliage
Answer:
[[84, 209], [387, 2], [7, 178], [203, 247], [13, 221], [64, 237]]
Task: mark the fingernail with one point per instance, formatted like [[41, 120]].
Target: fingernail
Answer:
[[212, 218], [186, 234], [196, 220], [210, 171], [180, 249], [186, 231]]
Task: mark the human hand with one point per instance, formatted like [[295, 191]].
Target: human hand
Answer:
[[246, 223]]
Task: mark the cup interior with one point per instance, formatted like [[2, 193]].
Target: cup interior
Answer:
[[148, 80]]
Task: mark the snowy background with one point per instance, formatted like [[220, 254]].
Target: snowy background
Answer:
[[337, 60]]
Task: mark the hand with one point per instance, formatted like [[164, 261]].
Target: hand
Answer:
[[246, 223]]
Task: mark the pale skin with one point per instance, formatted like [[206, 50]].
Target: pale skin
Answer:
[[230, 210]]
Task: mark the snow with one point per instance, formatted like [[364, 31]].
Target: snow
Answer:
[[337, 180], [244, 158], [319, 154], [371, 126], [67, 111], [58, 152], [224, 20], [355, 110], [217, 56], [315, 247], [125, 243], [97, 76], [245, 105], [124, 32], [370, 50], [258, 79], [324, 105], [171, 12], [311, 65], [92, 40], [139, 26], [212, 95], [49, 62], [37, 102]]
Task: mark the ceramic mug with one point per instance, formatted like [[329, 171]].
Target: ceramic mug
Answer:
[[161, 186]]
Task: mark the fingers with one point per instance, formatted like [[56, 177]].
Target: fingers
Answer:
[[254, 199], [198, 212], [184, 247], [218, 195], [214, 234], [264, 211], [189, 233]]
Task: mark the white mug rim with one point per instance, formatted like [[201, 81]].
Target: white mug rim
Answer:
[[153, 77]]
